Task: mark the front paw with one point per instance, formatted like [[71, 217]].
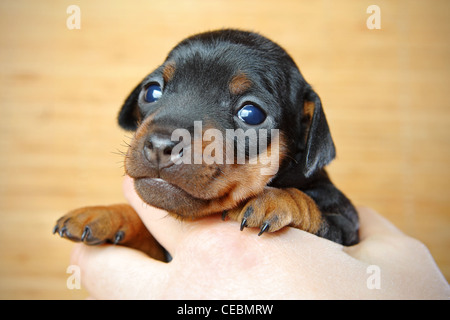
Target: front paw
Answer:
[[91, 225], [275, 208], [117, 224]]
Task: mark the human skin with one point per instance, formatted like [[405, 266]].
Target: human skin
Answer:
[[212, 259]]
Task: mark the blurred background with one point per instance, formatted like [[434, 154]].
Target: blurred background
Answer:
[[385, 93]]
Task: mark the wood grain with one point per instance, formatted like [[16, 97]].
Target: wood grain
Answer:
[[385, 93]]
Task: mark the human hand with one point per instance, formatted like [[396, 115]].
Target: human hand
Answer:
[[213, 260]]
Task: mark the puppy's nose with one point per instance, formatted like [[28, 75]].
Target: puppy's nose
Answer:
[[158, 151]]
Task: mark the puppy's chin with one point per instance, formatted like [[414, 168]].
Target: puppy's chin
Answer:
[[164, 195]]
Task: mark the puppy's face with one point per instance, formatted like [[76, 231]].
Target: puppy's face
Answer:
[[216, 121]]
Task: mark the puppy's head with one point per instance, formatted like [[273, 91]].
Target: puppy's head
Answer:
[[211, 121]]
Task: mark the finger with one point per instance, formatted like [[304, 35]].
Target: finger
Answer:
[[372, 223], [166, 229], [116, 272]]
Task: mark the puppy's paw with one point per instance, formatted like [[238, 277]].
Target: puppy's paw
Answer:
[[275, 208], [117, 224], [92, 225]]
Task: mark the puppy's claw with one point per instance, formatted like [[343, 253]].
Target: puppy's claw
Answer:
[[247, 214], [243, 223], [118, 237], [264, 228], [62, 232], [224, 214], [55, 229], [86, 233]]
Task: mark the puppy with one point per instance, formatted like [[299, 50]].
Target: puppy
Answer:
[[227, 124]]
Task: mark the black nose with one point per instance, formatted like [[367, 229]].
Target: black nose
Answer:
[[158, 150]]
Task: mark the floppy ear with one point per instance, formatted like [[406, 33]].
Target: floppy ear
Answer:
[[319, 147], [129, 115]]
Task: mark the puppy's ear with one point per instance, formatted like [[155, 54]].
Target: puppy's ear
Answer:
[[319, 147], [130, 115]]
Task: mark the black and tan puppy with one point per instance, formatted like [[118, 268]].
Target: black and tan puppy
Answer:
[[244, 95]]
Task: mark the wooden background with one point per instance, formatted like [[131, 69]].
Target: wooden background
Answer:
[[385, 92]]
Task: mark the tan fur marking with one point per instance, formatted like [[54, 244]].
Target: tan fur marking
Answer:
[[309, 217], [169, 71], [248, 180], [308, 108], [308, 112], [239, 84], [239, 182]]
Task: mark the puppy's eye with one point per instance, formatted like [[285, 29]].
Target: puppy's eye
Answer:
[[153, 93], [251, 114]]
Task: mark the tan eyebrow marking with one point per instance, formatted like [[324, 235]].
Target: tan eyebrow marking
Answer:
[[169, 71], [239, 83]]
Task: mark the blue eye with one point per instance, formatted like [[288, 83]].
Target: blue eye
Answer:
[[251, 114], [153, 93]]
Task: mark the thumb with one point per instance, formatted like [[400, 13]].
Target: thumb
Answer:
[[116, 272]]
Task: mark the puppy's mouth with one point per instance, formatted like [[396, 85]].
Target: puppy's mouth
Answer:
[[157, 183], [198, 181], [162, 185], [177, 199]]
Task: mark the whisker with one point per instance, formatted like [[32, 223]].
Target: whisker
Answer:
[[119, 153], [125, 144]]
